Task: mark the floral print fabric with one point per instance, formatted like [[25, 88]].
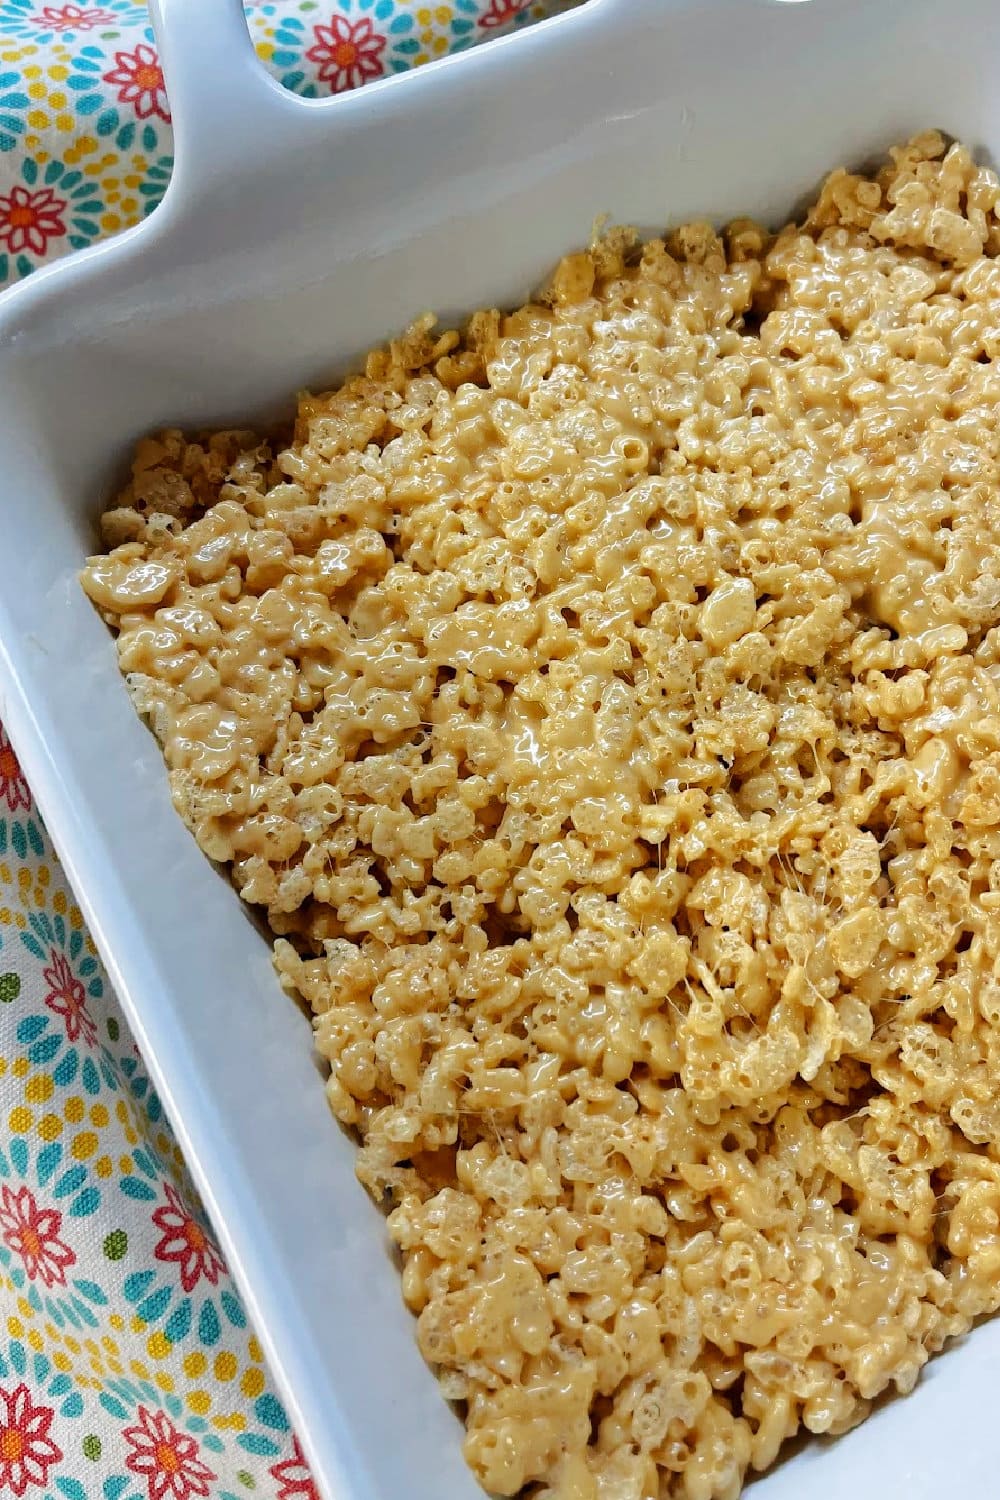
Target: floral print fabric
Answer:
[[128, 1370], [85, 140]]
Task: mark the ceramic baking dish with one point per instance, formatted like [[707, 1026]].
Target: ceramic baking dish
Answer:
[[292, 237]]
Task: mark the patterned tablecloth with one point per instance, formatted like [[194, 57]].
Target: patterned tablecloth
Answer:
[[127, 1366]]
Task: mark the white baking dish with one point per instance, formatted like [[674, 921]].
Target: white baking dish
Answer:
[[293, 236]]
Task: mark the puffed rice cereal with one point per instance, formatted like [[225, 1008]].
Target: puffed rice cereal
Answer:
[[603, 704]]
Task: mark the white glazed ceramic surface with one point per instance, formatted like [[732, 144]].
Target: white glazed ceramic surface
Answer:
[[293, 236]]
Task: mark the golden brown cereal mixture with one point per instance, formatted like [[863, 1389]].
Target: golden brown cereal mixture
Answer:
[[606, 704]]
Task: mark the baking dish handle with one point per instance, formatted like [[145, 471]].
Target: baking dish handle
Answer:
[[220, 94]]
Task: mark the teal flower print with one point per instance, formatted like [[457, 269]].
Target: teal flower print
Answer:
[[20, 829], [78, 202], [26, 1450], [155, 185], [17, 1364], [501, 12], [138, 78], [67, 997], [61, 1036], [13, 103], [32, 1232], [36, 1244], [123, 1395], [70, 974], [67, 1186], [138, 84], [166, 1458], [359, 41], [184, 1241], [347, 53], [35, 21], [31, 220], [294, 1477], [13, 785]]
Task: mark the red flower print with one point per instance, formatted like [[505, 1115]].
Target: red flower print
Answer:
[[29, 220], [68, 998], [139, 79], [26, 1450], [72, 18], [13, 787], [33, 1234], [348, 52], [185, 1242], [166, 1458], [294, 1477], [502, 11]]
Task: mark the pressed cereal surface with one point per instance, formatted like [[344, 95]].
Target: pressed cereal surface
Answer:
[[127, 1368], [603, 705]]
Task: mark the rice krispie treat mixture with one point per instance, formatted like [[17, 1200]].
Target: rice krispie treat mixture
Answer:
[[603, 705]]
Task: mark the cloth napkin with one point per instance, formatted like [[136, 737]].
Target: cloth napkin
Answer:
[[128, 1368]]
